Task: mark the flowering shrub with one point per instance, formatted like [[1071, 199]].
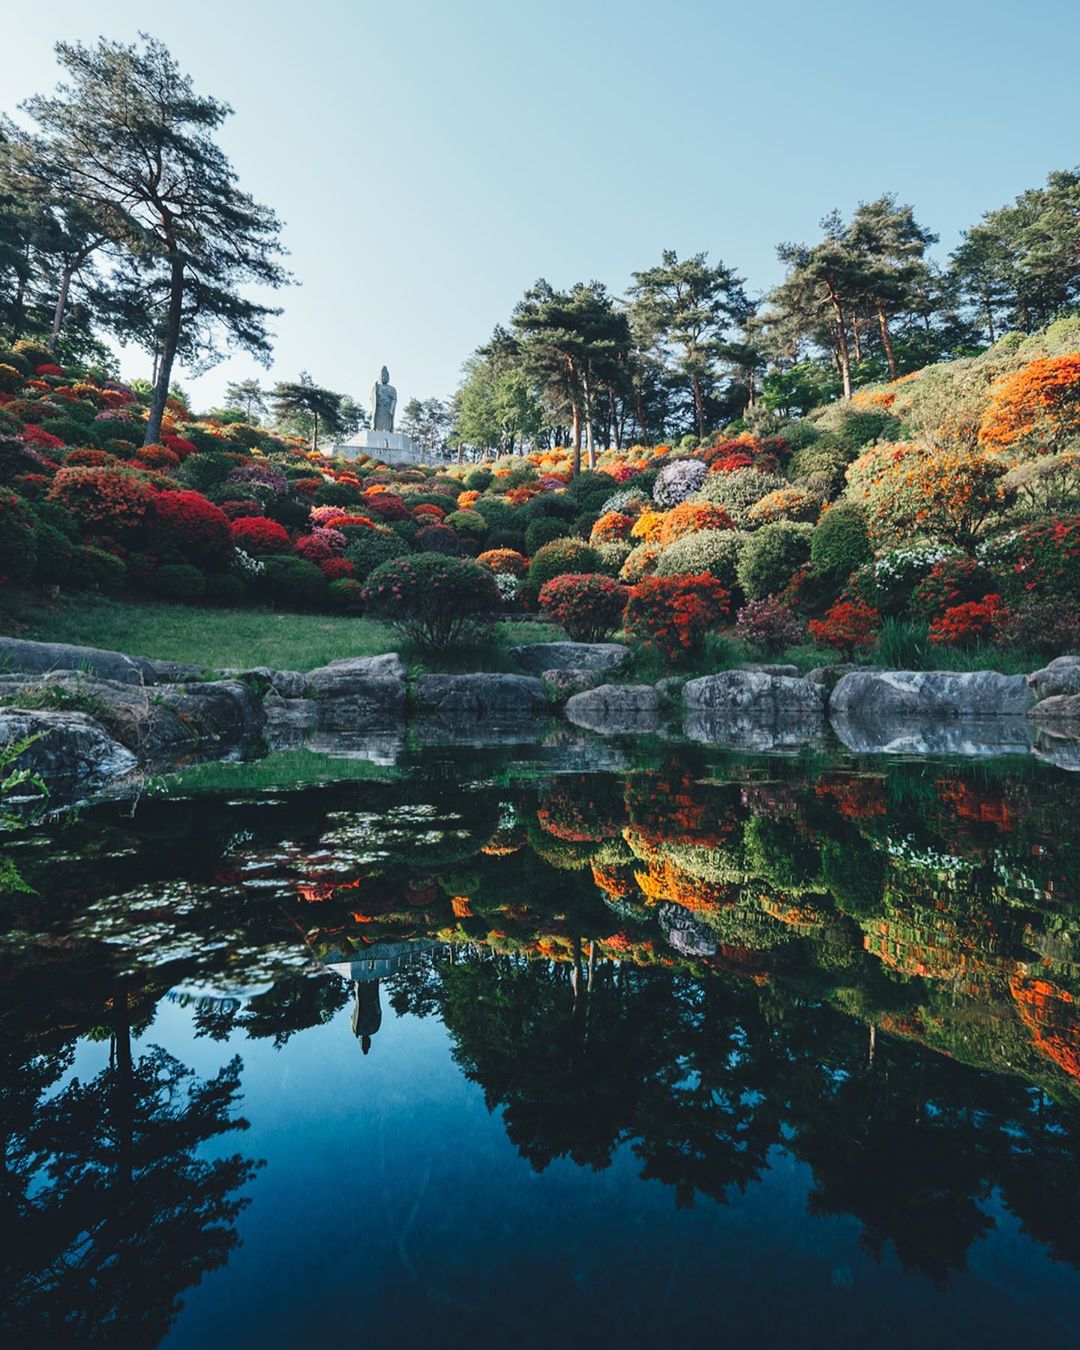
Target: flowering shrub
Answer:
[[611, 528], [157, 457], [784, 504], [640, 562], [712, 551], [44, 440], [259, 534], [887, 583], [628, 502], [849, 624], [432, 599], [86, 457], [320, 545], [1044, 624], [964, 625], [18, 538], [954, 581], [438, 539], [115, 498], [1041, 559], [1036, 409], [334, 569], [677, 480], [508, 586], [264, 474], [769, 625], [673, 614], [588, 606], [560, 556], [648, 526], [387, 505], [737, 492], [193, 526], [692, 518], [504, 562]]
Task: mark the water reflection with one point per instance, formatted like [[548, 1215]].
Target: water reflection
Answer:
[[709, 963]]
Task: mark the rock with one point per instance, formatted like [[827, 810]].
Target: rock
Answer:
[[287, 683], [154, 721], [74, 748], [497, 697], [671, 686], [784, 732], [342, 677], [828, 676], [168, 672], [563, 683], [1057, 708], [1056, 679], [684, 934], [970, 737], [792, 672], [1072, 659], [536, 657], [872, 696], [37, 658], [755, 692], [616, 709]]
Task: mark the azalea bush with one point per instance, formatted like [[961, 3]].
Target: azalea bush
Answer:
[[770, 556], [1042, 559], [674, 614], [954, 581], [691, 518], [259, 534], [677, 480], [967, 624], [769, 625], [847, 626], [434, 600], [588, 606], [114, 498], [195, 528]]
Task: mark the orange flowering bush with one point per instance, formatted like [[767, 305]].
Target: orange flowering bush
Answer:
[[673, 614], [784, 504], [504, 562], [611, 528], [648, 526], [692, 518], [849, 624], [1036, 410], [115, 498]]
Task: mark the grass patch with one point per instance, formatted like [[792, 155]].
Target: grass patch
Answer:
[[236, 638]]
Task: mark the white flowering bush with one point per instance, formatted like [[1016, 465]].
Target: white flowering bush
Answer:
[[507, 586], [628, 502], [678, 480], [888, 581], [247, 565], [737, 492]]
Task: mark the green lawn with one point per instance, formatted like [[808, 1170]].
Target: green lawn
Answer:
[[223, 638]]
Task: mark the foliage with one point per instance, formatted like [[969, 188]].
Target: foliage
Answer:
[[714, 551], [18, 537], [848, 625], [259, 534], [770, 556], [678, 480], [559, 557], [739, 491], [674, 614], [954, 581], [1035, 410], [589, 607], [769, 625], [1042, 559], [114, 498], [966, 624], [434, 600], [840, 542], [691, 518]]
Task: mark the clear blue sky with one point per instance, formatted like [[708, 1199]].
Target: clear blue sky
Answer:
[[432, 159]]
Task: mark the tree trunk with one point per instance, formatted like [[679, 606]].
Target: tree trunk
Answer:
[[699, 405], [314, 431], [640, 402], [168, 353], [857, 336], [61, 304], [843, 356], [575, 413], [590, 451], [886, 340]]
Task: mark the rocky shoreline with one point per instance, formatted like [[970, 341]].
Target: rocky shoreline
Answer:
[[100, 716]]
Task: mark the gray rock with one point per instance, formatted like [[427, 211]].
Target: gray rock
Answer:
[[756, 692], [1056, 679], [536, 657], [1072, 659], [828, 676], [872, 696], [969, 737], [74, 748], [671, 686], [616, 709], [36, 658], [168, 672], [498, 697], [563, 683], [764, 668], [685, 934], [287, 683], [1057, 708], [336, 675]]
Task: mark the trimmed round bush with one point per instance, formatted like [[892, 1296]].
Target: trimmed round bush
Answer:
[[94, 567], [434, 600], [477, 480], [222, 588], [192, 526], [259, 534], [677, 480], [179, 581], [770, 556], [111, 498], [769, 625], [737, 492], [347, 595], [372, 549], [840, 542], [54, 554], [713, 551], [293, 581], [674, 614], [612, 557], [589, 607], [470, 523], [559, 557], [438, 539], [542, 531], [18, 537], [504, 562]]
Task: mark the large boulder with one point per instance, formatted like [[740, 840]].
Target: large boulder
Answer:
[[20, 656], [537, 657], [967, 737], [501, 698], [759, 693], [870, 696], [74, 748], [616, 709], [563, 683], [1058, 708], [287, 683], [1061, 676], [353, 673]]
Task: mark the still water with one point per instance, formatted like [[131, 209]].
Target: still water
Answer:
[[493, 1048]]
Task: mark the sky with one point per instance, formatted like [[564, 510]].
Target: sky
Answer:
[[432, 158]]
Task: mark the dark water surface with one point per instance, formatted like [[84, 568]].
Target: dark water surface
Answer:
[[485, 1048]]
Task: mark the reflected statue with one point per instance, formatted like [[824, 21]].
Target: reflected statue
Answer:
[[383, 403], [367, 1012]]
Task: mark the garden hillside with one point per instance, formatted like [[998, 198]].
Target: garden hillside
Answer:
[[938, 512]]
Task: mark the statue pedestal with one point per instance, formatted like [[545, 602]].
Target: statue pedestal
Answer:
[[393, 447]]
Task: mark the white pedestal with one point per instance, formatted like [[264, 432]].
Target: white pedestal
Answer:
[[393, 447]]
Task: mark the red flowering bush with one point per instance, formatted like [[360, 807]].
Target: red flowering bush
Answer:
[[247, 507], [86, 457], [1041, 559], [847, 625], [179, 445], [769, 625], [158, 457], [429, 509], [44, 440], [259, 534], [115, 498], [49, 369], [388, 506], [335, 569], [320, 545], [587, 605], [951, 582], [193, 526], [673, 614], [965, 625], [504, 562]]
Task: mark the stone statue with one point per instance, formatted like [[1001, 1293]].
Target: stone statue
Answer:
[[383, 403]]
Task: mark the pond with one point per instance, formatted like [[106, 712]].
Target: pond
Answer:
[[521, 1045]]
